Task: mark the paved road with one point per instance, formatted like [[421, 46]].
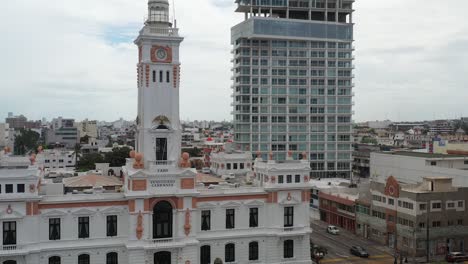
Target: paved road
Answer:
[[338, 246]]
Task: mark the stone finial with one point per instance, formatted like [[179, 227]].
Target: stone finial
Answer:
[[32, 158], [138, 164], [185, 160]]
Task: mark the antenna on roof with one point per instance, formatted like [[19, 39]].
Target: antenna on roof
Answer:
[[174, 14]]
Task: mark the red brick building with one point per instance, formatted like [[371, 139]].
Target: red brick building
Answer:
[[338, 209]]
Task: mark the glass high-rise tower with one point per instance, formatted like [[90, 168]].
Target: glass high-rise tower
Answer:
[[293, 81]]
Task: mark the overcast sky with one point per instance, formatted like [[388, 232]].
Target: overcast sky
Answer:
[[77, 58]]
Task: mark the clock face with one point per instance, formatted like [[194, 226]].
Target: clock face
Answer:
[[161, 54]]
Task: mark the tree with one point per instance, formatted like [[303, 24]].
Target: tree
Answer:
[[369, 140], [77, 151], [88, 161], [26, 141], [117, 157], [84, 139]]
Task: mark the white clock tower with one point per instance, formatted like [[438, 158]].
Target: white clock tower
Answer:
[[159, 134]]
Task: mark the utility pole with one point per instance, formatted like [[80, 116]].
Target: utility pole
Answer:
[[427, 232]]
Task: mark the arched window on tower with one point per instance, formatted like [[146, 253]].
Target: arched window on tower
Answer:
[[162, 220]]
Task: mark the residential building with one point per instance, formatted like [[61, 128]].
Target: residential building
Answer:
[[361, 162], [56, 158], [441, 127], [21, 122], [87, 128], [162, 215], [412, 167], [402, 215], [67, 137], [61, 122], [292, 74], [6, 136]]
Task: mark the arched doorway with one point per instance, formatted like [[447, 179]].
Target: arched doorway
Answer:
[[162, 220], [162, 257]]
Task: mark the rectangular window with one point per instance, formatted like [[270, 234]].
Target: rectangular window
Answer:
[[253, 250], [160, 76], [391, 201], [9, 188], [161, 148], [206, 220], [230, 224], [297, 178], [54, 229], [288, 250], [235, 166], [288, 216], [154, 76], [111, 225], [280, 179], [436, 205], [460, 203], [229, 253], [205, 255], [422, 207], [460, 222], [228, 166], [9, 233], [20, 188], [436, 224], [253, 217], [168, 79], [289, 178], [83, 227]]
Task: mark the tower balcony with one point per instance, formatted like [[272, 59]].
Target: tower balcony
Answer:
[[160, 31], [161, 165]]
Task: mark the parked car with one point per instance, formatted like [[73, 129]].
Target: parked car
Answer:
[[359, 251], [456, 257], [333, 230]]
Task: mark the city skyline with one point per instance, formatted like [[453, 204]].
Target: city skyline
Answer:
[[80, 62]]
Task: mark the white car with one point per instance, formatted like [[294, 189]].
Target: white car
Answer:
[[333, 230]]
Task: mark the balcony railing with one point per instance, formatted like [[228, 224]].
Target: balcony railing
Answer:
[[9, 247]]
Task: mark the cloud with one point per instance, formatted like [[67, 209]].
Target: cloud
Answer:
[[77, 58]]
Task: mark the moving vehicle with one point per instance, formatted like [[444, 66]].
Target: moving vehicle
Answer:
[[359, 251], [333, 230], [456, 257]]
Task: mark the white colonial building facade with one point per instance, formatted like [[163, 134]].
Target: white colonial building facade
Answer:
[[161, 215]]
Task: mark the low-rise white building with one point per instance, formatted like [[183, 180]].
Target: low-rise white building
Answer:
[[230, 162], [56, 159], [412, 167]]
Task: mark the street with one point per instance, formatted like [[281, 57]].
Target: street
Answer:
[[338, 246]]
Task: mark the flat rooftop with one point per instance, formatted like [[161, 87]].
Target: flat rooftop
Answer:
[[424, 155]]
